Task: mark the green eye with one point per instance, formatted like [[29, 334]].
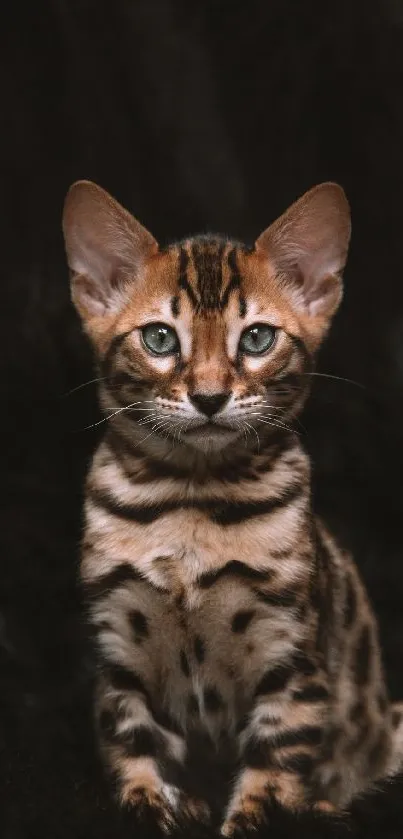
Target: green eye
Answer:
[[257, 339], [160, 339]]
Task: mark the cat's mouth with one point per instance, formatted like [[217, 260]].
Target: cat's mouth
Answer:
[[212, 429], [210, 426]]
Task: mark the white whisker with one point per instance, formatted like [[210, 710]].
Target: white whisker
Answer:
[[84, 384], [335, 378], [141, 409], [155, 428], [277, 425], [114, 414], [152, 418], [242, 427], [257, 436], [278, 420]]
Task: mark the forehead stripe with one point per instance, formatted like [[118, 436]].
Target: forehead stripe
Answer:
[[207, 261], [175, 306], [183, 281], [234, 283]]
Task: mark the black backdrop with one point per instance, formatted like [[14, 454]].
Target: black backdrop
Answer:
[[203, 115]]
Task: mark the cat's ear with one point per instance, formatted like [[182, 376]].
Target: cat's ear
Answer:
[[106, 248], [308, 247]]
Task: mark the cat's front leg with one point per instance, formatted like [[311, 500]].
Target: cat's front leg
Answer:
[[281, 747], [133, 630], [144, 758]]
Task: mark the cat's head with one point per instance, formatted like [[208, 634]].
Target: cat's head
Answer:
[[206, 340]]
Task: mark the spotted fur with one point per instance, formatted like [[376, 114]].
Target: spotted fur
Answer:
[[229, 625]]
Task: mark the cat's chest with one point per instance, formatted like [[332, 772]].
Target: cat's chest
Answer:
[[219, 605], [225, 641], [180, 548], [203, 654]]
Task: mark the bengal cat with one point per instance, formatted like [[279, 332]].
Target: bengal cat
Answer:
[[231, 630]]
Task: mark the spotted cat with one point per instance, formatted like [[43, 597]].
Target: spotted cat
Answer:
[[231, 631]]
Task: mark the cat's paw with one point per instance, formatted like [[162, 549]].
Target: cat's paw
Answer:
[[250, 815], [166, 810], [319, 821], [194, 809], [155, 809]]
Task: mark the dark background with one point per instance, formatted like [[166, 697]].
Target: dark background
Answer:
[[197, 115]]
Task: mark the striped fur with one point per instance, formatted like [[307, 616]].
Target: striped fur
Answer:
[[223, 611]]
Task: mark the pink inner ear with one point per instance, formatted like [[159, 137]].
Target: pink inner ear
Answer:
[[325, 296], [309, 245], [105, 247], [88, 297]]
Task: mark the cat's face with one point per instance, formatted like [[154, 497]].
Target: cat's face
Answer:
[[206, 341], [212, 347]]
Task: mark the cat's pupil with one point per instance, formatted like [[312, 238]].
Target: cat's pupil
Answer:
[[159, 338], [257, 339]]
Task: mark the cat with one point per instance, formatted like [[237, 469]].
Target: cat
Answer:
[[230, 628]]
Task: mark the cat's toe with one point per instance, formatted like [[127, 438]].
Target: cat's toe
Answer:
[[155, 810], [193, 809], [245, 820], [319, 821], [167, 812]]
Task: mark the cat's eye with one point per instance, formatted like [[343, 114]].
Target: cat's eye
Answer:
[[160, 339], [257, 339]]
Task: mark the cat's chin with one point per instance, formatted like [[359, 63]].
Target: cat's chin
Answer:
[[210, 438]]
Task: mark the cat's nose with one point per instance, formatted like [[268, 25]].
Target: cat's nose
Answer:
[[209, 405]]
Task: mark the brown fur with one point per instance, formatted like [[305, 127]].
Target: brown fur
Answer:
[[224, 612]]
